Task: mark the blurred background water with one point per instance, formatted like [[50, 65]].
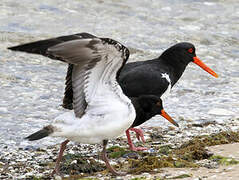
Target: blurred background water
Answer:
[[32, 86]]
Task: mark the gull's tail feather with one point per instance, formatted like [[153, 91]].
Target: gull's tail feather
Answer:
[[46, 131]]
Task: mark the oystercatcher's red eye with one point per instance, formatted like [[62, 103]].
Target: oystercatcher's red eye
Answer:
[[190, 50], [159, 103]]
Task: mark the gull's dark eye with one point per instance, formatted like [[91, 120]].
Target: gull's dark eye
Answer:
[[190, 50]]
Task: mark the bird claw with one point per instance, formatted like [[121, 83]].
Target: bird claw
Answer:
[[133, 148], [119, 173], [56, 172], [139, 134]]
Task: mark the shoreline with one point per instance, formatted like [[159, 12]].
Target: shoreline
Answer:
[[166, 159]]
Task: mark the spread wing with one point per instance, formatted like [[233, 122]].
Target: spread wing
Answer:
[[41, 47], [93, 62]]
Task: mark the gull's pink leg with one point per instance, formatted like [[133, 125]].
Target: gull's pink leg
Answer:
[[131, 145], [59, 158], [105, 159]]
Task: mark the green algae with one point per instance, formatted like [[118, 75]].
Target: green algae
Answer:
[[144, 178], [36, 178], [39, 177], [88, 179], [153, 164], [79, 177], [182, 176], [195, 149], [146, 164], [184, 156], [165, 150], [224, 160], [215, 139], [181, 163], [166, 156], [139, 178], [116, 152], [75, 164], [192, 152]]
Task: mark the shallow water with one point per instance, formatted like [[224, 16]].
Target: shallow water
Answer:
[[32, 86]]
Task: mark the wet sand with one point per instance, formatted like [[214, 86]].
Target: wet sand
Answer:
[[230, 172]]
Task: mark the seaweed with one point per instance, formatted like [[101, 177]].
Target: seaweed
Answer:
[[224, 160]]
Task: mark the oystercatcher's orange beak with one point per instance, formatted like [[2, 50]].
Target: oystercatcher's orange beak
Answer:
[[166, 116], [197, 61]]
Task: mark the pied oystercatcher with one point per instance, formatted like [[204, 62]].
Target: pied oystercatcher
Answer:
[[146, 107], [157, 76]]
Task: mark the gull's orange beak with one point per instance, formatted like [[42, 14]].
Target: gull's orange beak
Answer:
[[166, 116], [204, 66]]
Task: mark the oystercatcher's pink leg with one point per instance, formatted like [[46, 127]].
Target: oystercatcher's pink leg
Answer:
[[139, 133], [131, 145], [59, 158]]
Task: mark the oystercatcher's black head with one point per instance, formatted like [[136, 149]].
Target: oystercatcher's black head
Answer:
[[183, 53], [153, 105]]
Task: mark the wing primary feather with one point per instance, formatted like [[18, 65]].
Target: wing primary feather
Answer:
[[68, 95], [83, 77]]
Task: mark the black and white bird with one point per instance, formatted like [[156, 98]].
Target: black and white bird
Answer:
[[101, 110], [157, 76], [146, 107]]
